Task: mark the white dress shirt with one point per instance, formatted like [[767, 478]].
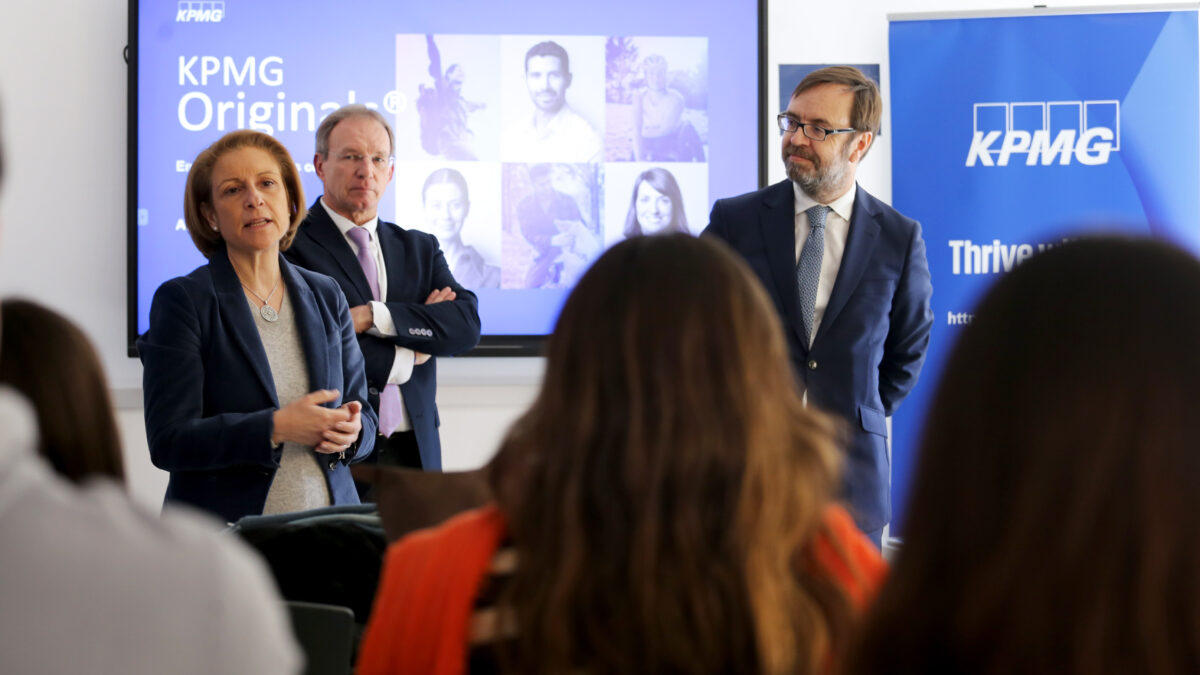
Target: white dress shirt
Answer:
[[382, 323], [565, 137], [837, 227]]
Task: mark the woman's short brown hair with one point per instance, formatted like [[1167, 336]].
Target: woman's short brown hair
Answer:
[[198, 191], [66, 385]]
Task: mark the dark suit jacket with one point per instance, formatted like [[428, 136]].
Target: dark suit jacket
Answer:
[[210, 396], [871, 343], [415, 267]]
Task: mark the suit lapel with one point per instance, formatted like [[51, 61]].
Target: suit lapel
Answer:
[[779, 238], [391, 244], [235, 313], [860, 242], [309, 323], [329, 237]]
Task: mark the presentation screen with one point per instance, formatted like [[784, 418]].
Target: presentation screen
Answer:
[[530, 136]]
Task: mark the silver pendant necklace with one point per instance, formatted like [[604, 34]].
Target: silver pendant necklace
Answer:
[[266, 311]]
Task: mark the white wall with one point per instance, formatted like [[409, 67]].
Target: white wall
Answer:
[[62, 207]]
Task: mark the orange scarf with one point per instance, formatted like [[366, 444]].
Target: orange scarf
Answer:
[[430, 579]]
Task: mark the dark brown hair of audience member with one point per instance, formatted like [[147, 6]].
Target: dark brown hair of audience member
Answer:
[[661, 489], [1055, 522], [198, 190], [51, 362], [867, 109]]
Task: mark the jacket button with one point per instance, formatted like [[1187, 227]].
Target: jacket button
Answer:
[[373, 391], [812, 364]]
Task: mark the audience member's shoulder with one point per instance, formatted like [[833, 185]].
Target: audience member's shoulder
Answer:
[[18, 428], [136, 592], [16, 415]]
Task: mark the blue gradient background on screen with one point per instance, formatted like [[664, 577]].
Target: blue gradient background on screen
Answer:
[[336, 54]]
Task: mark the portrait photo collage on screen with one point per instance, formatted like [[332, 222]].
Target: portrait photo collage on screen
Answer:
[[527, 156]]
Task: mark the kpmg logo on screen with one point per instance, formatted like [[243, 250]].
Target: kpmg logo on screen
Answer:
[[1045, 132], [204, 11]]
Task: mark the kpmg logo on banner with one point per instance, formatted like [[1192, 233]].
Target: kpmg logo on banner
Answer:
[[1045, 132], [201, 11]]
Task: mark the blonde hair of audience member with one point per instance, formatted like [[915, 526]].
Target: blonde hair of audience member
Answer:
[[52, 363], [663, 486], [1055, 519]]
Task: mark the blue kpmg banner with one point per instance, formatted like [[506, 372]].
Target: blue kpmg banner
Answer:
[[1010, 134]]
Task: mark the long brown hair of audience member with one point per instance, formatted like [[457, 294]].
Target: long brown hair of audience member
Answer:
[[53, 364], [1055, 522], [661, 489]]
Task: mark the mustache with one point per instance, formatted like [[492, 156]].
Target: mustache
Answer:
[[803, 153]]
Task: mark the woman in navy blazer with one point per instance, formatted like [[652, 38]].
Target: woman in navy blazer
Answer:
[[213, 415]]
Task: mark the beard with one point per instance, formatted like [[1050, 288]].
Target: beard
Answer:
[[821, 179]]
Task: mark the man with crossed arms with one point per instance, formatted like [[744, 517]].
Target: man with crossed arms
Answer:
[[406, 305]]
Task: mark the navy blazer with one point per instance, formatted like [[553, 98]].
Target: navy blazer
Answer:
[[869, 348], [210, 397], [415, 267]]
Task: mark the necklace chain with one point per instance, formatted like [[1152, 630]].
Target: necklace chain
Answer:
[[266, 301]]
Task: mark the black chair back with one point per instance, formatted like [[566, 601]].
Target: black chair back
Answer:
[[326, 634]]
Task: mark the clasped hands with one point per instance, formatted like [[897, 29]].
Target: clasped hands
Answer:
[[307, 422]]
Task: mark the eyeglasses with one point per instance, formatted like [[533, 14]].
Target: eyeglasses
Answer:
[[378, 162], [790, 125]]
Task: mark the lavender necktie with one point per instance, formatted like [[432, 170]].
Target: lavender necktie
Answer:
[[391, 410]]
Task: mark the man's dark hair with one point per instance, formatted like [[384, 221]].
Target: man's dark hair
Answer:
[[549, 48]]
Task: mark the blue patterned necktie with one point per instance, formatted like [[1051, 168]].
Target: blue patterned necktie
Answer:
[[808, 270]]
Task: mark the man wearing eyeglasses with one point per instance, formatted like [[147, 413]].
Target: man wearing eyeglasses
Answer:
[[404, 301], [847, 273]]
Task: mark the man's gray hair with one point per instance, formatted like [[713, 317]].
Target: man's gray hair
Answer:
[[353, 110]]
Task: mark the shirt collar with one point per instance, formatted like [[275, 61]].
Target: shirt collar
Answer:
[[344, 224], [843, 206]]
